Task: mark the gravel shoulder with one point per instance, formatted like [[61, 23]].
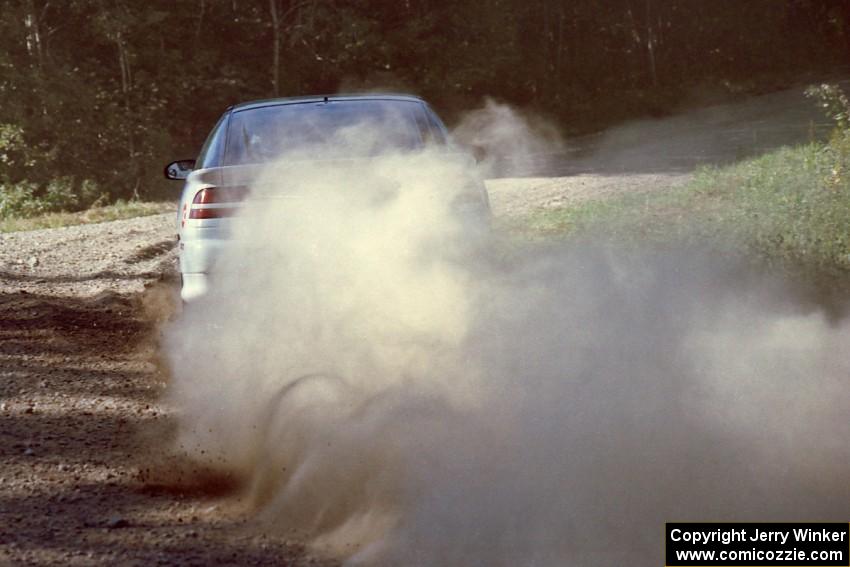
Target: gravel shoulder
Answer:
[[79, 261], [87, 472], [519, 197]]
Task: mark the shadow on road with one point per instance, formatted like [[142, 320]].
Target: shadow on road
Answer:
[[82, 427]]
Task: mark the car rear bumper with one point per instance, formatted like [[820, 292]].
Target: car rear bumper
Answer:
[[200, 255], [200, 249], [194, 286]]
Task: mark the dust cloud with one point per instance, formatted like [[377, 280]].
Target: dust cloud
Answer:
[[397, 390], [508, 139]]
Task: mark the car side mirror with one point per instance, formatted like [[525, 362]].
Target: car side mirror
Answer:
[[179, 170]]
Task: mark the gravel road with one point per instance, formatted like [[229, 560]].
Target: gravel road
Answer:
[[86, 472], [518, 196], [86, 477], [119, 256]]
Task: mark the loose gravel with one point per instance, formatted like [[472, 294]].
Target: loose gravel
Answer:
[[87, 473]]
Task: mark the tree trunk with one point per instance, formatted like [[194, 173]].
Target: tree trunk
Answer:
[[645, 40], [126, 86], [559, 57], [845, 27], [32, 24], [201, 11], [650, 44], [275, 13]]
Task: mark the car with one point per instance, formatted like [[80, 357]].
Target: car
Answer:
[[250, 135]]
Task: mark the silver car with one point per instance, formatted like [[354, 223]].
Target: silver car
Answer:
[[250, 135]]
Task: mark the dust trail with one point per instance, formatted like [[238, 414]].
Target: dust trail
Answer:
[[509, 140], [399, 393]]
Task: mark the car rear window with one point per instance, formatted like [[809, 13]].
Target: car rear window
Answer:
[[334, 129]]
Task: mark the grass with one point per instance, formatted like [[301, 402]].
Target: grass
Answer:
[[788, 207], [119, 210]]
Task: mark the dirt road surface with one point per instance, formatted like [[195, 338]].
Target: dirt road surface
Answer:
[[86, 471], [85, 476]]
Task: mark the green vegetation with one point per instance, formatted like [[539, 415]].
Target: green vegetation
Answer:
[[96, 96], [27, 199], [790, 207], [118, 210]]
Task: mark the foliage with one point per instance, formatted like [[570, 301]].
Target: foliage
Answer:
[[109, 91], [834, 102], [13, 150], [26, 199], [836, 105], [20, 200]]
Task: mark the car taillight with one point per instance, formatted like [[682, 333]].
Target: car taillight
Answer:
[[217, 202]]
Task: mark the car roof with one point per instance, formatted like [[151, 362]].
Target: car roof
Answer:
[[323, 98]]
